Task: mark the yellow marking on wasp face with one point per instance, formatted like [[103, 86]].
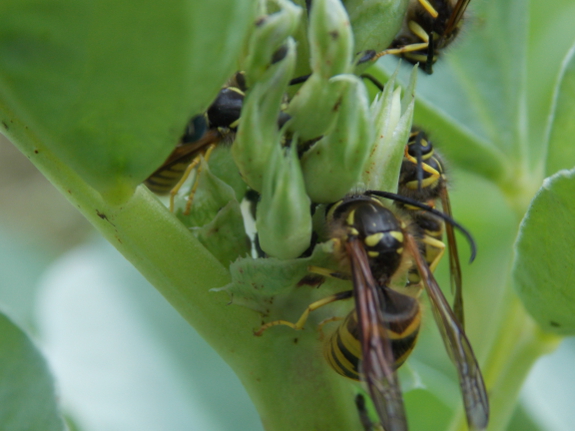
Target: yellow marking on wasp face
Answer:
[[397, 235], [353, 231], [372, 253], [350, 218], [372, 240], [400, 250]]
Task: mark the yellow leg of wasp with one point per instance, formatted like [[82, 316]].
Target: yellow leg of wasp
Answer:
[[440, 245], [429, 8], [419, 32], [328, 273], [312, 307], [185, 176], [197, 180]]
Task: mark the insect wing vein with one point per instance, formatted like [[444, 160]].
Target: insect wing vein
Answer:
[[457, 345], [377, 354]]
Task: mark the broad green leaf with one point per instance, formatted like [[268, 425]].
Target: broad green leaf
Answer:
[[543, 270], [561, 151], [110, 85], [551, 35], [375, 23], [27, 393]]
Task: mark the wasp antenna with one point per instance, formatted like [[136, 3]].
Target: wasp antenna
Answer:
[[373, 80], [418, 138], [299, 79], [413, 202], [430, 54]]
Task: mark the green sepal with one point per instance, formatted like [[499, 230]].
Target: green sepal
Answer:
[[225, 236], [375, 23], [269, 35], [256, 283], [258, 133], [283, 213], [392, 122], [543, 268], [330, 38], [314, 106], [110, 85], [333, 165]]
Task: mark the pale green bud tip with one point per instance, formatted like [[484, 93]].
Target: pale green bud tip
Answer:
[[331, 39], [258, 131], [334, 164], [284, 219]]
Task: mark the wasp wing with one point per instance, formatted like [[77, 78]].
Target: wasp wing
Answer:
[[454, 266], [377, 355], [456, 15], [189, 149], [457, 345]]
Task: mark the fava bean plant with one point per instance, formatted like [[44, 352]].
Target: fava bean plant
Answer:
[[97, 95]]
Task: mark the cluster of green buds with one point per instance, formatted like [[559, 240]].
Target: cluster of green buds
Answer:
[[340, 139]]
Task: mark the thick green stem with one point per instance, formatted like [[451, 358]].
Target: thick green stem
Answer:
[[284, 373]]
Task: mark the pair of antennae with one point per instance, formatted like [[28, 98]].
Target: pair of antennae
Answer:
[[445, 217]]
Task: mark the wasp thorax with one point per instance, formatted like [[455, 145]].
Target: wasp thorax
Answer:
[[377, 228]]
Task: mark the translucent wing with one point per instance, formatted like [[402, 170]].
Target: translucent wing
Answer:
[[454, 266], [377, 355], [456, 16], [457, 345]]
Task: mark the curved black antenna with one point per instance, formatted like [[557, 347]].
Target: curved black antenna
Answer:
[[299, 79], [418, 138], [430, 54], [445, 217], [373, 80]]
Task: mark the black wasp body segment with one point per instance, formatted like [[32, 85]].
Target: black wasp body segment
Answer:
[[380, 231], [377, 336], [422, 176], [429, 27], [203, 132], [424, 179]]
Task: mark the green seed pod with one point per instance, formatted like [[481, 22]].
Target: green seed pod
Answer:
[[283, 216], [334, 164], [267, 38], [258, 131]]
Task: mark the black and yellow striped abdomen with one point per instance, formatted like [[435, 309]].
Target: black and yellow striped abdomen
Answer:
[[164, 179], [402, 317]]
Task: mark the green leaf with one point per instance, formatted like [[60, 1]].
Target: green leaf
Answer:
[[375, 24], [110, 85], [543, 270], [27, 394], [561, 151]]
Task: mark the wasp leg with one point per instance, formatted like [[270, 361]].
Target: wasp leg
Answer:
[[328, 273], [440, 245], [418, 31], [312, 307], [197, 180], [185, 176], [323, 322], [429, 8]]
